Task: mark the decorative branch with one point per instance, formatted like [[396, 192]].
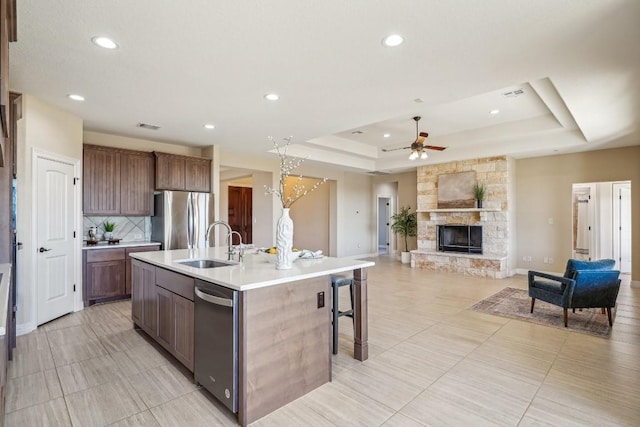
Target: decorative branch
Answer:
[[287, 165]]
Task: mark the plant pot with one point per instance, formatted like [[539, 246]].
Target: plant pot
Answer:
[[479, 204], [108, 235], [405, 257]]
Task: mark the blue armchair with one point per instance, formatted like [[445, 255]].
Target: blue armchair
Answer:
[[585, 284]]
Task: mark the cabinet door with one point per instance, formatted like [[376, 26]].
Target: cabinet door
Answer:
[[149, 306], [137, 183], [128, 277], [170, 172], [105, 279], [165, 332], [137, 291], [183, 332], [101, 181], [198, 175]]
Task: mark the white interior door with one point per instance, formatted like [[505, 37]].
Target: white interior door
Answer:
[[622, 227], [54, 207]]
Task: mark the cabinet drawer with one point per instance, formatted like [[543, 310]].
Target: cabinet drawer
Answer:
[[142, 249], [97, 255], [176, 283]]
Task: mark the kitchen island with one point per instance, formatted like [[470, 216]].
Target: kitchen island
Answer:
[[284, 318]]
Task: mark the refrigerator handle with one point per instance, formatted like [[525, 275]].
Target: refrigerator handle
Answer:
[[190, 220]]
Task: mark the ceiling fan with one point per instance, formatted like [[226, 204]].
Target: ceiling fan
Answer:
[[417, 147]]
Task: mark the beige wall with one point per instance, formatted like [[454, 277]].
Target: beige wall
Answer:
[[543, 202], [310, 216], [49, 130], [402, 187], [117, 141]]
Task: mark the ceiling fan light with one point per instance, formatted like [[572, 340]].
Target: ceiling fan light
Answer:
[[414, 155], [424, 155]]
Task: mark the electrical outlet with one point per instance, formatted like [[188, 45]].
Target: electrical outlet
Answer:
[[137, 236], [545, 260], [320, 299], [550, 260], [528, 258]]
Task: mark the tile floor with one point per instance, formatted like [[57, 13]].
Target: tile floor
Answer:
[[432, 362]]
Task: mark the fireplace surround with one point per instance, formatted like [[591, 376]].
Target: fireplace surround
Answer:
[[460, 238]]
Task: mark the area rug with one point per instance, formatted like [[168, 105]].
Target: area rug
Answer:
[[516, 304]]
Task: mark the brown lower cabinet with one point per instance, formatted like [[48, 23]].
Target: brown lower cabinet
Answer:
[[162, 305], [107, 273]]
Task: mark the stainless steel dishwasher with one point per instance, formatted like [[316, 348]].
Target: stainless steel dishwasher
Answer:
[[216, 341]]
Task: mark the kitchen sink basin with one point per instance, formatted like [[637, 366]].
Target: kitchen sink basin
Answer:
[[205, 263]]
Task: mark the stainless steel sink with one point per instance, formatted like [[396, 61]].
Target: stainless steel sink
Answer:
[[205, 263]]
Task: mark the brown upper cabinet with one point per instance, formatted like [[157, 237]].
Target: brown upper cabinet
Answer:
[[8, 33], [117, 181], [174, 172]]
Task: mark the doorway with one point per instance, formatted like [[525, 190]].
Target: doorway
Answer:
[[602, 222], [55, 210], [240, 211], [384, 225]]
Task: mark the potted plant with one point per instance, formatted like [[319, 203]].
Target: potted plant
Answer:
[[108, 229], [478, 192], [405, 224]]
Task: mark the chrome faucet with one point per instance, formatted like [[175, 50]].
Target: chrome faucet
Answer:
[[241, 248], [230, 251]]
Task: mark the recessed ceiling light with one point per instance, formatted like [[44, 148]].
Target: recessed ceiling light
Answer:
[[393, 40], [104, 42], [386, 135], [209, 126], [272, 96], [494, 112], [75, 97]]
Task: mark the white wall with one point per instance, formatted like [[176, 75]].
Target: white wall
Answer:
[[311, 217], [50, 130]]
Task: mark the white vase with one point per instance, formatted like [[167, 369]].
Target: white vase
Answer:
[[284, 241], [108, 235]]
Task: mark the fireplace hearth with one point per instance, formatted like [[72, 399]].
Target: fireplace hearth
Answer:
[[460, 238]]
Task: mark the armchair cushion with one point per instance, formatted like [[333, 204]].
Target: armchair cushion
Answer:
[[595, 289], [574, 265]]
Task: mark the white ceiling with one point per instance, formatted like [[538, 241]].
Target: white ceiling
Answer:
[[180, 65]]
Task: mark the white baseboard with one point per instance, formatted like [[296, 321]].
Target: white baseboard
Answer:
[[25, 328]]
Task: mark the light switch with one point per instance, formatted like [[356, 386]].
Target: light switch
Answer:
[[550, 221]]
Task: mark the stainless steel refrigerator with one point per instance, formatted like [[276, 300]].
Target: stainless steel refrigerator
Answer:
[[181, 219]]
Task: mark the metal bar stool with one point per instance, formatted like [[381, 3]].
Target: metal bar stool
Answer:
[[336, 283]]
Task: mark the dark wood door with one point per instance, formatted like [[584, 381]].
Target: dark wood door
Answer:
[[101, 181], [137, 183], [165, 318], [170, 172], [198, 175], [183, 332], [240, 212], [105, 279]]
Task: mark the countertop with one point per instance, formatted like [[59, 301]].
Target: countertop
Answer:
[[104, 244], [256, 271], [5, 279]]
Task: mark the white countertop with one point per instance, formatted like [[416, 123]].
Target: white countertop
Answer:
[[105, 245], [254, 272], [5, 279]]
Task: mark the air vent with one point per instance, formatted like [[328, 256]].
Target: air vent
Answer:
[[357, 132], [377, 173], [148, 126], [513, 93]]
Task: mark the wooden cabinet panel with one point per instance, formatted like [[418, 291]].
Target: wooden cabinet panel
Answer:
[[98, 255], [144, 307], [137, 183], [176, 283], [170, 172], [128, 267], [183, 173], [101, 181], [105, 279], [183, 332], [198, 175], [4, 78], [165, 333]]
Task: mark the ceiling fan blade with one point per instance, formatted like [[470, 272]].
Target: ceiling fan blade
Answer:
[[385, 150], [434, 147]]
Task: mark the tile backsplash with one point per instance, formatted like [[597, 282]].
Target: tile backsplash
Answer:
[[128, 228]]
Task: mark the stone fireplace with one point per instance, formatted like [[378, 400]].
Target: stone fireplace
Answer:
[[460, 238], [495, 221]]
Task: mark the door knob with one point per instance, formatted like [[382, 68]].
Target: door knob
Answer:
[[43, 250]]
